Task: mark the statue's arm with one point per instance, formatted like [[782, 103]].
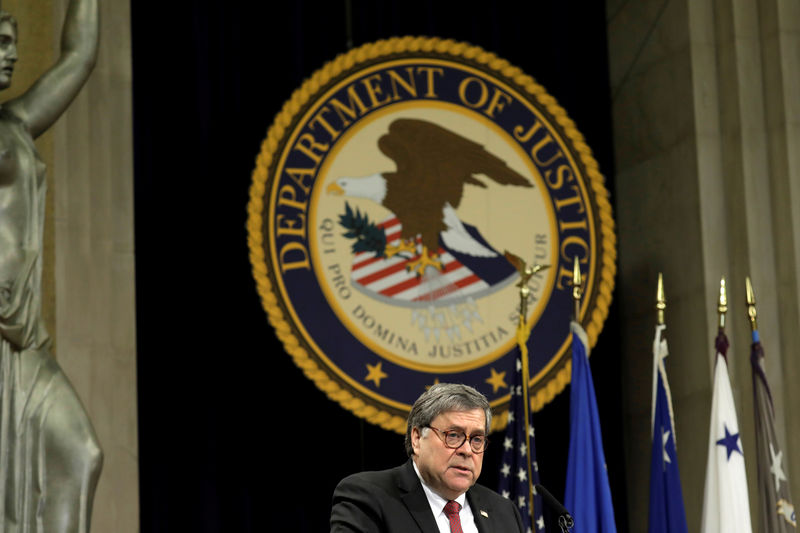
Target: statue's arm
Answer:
[[42, 104]]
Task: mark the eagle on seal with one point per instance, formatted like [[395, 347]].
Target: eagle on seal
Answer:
[[433, 165]]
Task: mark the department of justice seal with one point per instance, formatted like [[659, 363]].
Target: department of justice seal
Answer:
[[383, 199]]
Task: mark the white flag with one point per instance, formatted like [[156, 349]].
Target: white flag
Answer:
[[726, 506]]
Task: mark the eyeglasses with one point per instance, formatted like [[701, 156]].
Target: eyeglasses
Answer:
[[455, 439]]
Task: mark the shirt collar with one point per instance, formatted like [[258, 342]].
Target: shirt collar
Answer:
[[436, 502]]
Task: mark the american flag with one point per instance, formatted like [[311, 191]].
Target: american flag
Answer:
[[516, 478]]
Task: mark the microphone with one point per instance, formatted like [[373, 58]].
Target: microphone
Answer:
[[565, 520]]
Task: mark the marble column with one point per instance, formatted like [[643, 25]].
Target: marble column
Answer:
[[705, 102]]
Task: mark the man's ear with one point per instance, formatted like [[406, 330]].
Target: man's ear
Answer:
[[415, 436]]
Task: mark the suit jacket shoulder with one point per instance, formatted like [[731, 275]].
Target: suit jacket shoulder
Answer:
[[388, 501], [393, 501]]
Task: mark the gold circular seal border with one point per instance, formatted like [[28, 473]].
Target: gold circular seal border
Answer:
[[255, 237]]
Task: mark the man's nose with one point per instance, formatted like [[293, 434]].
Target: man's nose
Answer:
[[12, 53], [465, 448]]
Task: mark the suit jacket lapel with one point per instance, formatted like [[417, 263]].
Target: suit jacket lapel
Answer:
[[415, 500], [482, 521]]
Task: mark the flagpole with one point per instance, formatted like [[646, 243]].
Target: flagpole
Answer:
[[661, 301], [722, 306], [522, 339], [776, 510], [577, 289], [751, 304], [726, 504], [661, 306], [666, 509], [523, 333]]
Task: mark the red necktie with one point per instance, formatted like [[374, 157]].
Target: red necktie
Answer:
[[451, 510]]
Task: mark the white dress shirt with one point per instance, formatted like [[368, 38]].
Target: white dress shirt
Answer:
[[437, 504]]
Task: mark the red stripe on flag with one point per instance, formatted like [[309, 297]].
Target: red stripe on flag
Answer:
[[375, 276], [400, 287], [388, 223], [393, 236], [469, 280], [366, 262], [413, 282], [451, 266]]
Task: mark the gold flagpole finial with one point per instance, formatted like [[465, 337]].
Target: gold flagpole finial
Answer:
[[722, 308], [577, 287], [526, 272], [661, 300], [751, 303]]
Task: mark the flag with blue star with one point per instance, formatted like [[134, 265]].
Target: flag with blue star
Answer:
[[588, 493], [726, 507], [667, 514], [775, 501], [515, 482]]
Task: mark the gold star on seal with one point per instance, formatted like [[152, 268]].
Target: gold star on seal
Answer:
[[435, 382], [497, 379], [375, 373]]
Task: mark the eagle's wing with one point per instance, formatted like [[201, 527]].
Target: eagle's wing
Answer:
[[456, 237], [428, 154], [433, 165], [412, 139]]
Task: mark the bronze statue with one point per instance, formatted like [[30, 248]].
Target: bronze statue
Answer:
[[50, 459]]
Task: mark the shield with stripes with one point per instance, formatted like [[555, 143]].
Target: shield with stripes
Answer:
[[391, 278]]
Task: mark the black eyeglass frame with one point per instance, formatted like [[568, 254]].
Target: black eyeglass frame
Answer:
[[466, 437]]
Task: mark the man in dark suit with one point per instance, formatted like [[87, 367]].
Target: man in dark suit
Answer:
[[435, 491]]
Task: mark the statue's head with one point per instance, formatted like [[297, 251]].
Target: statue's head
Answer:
[[8, 48], [5, 16]]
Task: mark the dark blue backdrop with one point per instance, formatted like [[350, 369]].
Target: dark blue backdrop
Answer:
[[232, 436]]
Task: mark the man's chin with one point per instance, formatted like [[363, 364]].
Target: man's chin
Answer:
[[461, 483]]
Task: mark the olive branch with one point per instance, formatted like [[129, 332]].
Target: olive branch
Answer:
[[368, 236]]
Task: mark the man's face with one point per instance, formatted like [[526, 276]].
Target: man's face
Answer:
[[8, 53], [449, 472]]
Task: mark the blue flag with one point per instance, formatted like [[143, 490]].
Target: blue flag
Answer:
[[588, 495], [666, 497], [514, 469]]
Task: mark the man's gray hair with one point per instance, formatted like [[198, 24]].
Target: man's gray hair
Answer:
[[441, 398]]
